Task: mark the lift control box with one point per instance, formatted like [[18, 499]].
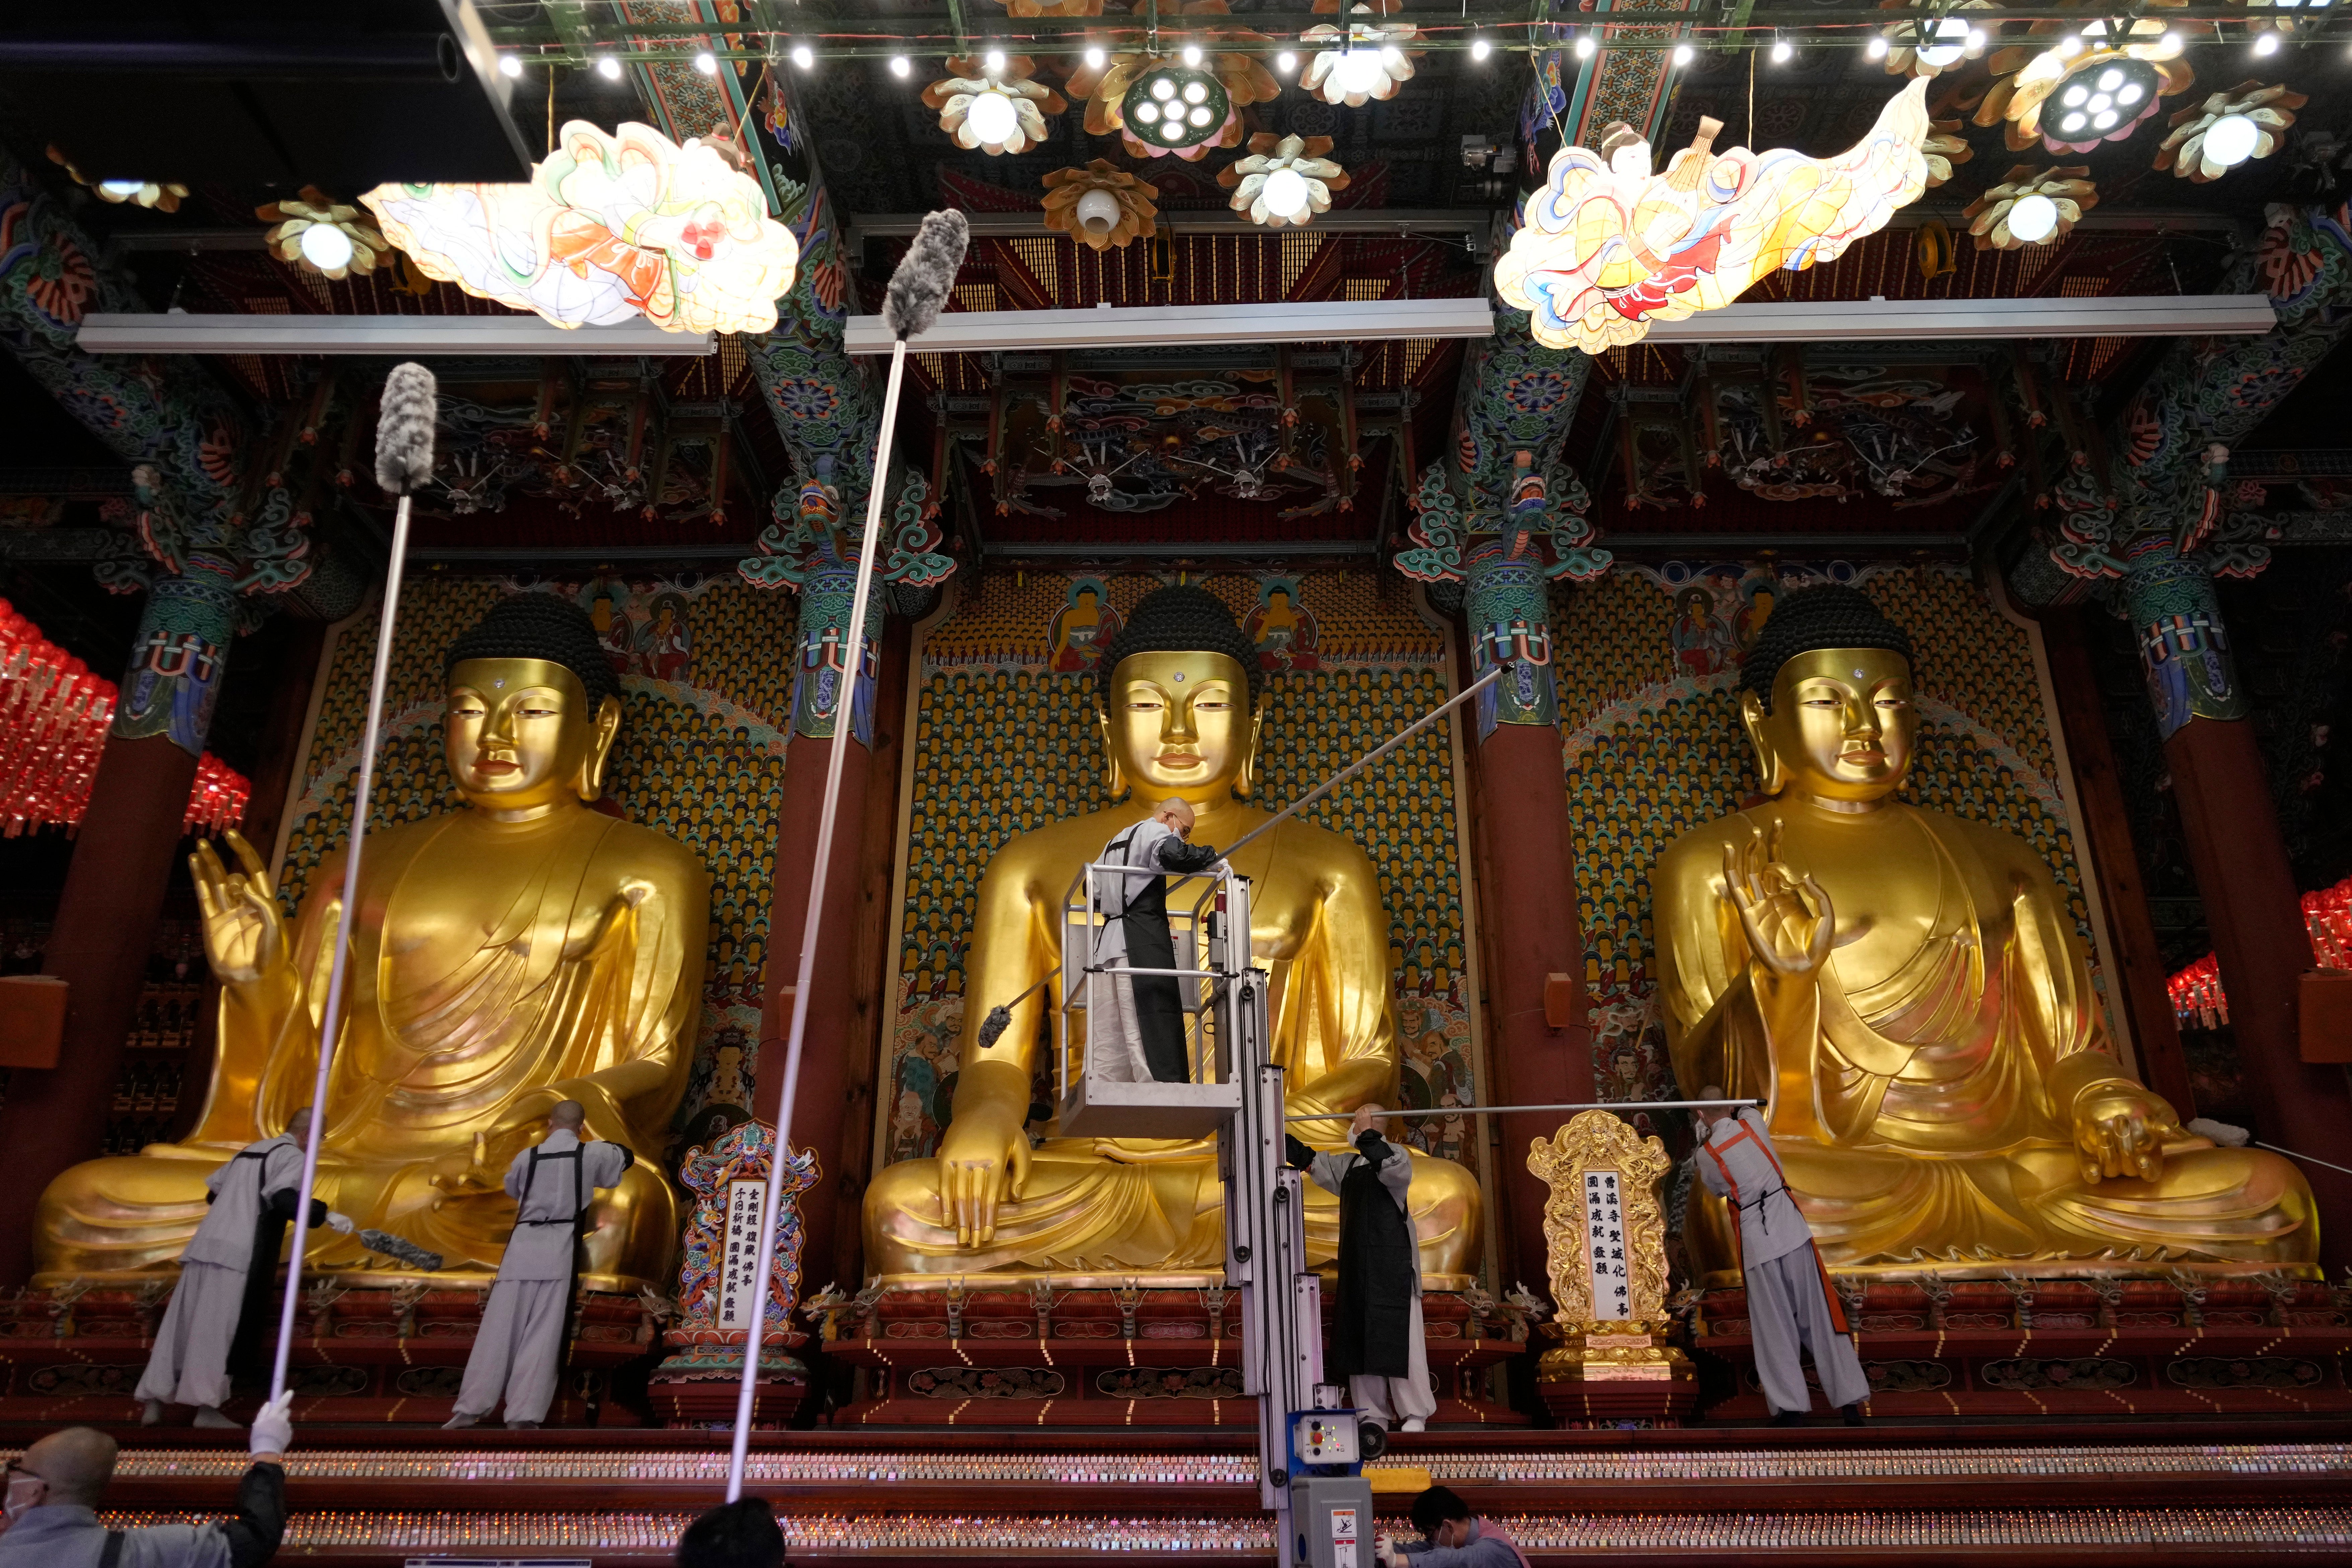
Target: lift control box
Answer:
[[1323, 1438]]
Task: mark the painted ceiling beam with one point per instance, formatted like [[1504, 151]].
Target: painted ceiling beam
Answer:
[[111, 333], [1323, 321]]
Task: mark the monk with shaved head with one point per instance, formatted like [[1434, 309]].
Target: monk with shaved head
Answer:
[[519, 1349], [56, 1489]]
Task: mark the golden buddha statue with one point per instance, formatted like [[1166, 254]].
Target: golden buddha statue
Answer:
[[521, 951], [1907, 991], [1182, 716]]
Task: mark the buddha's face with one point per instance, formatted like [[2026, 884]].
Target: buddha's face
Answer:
[[1843, 726], [521, 737], [1180, 724]]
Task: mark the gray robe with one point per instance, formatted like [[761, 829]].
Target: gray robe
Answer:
[[1142, 1039], [518, 1350], [190, 1363]]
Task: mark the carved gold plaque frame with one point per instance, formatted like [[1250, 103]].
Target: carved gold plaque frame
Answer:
[[1592, 1143]]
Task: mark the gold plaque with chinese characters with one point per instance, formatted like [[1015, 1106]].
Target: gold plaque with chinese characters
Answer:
[[1605, 1235]]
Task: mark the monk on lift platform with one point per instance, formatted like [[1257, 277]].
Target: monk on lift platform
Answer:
[[1145, 1043]]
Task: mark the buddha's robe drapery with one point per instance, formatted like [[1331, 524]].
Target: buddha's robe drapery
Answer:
[[1922, 1104], [496, 967], [1111, 1205]]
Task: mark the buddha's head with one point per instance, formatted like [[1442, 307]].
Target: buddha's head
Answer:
[[1828, 700], [1181, 711], [533, 707]]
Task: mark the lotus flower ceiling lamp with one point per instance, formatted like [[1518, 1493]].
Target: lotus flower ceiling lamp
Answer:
[[1364, 61], [1178, 104], [1929, 48], [1943, 150], [999, 107], [2210, 139], [2085, 90], [1101, 204], [2031, 206], [1283, 180], [324, 235]]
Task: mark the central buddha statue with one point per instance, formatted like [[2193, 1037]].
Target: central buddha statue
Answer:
[[1181, 714], [1907, 993], [517, 953]]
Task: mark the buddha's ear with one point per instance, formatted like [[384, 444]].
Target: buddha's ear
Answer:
[[1769, 780], [1114, 776], [1253, 748], [591, 782]]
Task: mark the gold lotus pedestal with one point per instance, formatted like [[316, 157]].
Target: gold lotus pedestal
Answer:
[[1613, 1360]]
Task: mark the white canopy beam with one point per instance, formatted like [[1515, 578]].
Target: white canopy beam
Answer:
[[396, 337]]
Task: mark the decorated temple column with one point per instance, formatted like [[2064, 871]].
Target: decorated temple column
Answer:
[[1540, 1041], [2231, 829]]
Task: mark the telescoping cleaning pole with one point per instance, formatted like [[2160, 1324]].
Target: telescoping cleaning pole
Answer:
[[404, 461], [919, 290]]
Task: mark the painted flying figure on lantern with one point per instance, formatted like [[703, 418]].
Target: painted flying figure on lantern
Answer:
[[513, 954], [1909, 992]]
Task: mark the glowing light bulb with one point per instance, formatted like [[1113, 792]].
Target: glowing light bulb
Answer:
[[1684, 53], [2267, 44], [2231, 140], [707, 63], [2075, 95], [608, 68], [1876, 48], [991, 118], [1286, 61], [1148, 113], [121, 190], [1172, 130], [1584, 48], [1095, 57], [803, 57], [1199, 115], [2033, 218], [2110, 80], [1163, 90], [1191, 54], [2073, 123], [510, 65], [1285, 194], [898, 66], [2067, 47], [1480, 48], [1361, 70], [2130, 92], [1782, 51], [1196, 92], [1951, 35], [993, 59], [326, 248], [1976, 38]]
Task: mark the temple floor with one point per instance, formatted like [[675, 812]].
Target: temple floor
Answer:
[[2209, 1492]]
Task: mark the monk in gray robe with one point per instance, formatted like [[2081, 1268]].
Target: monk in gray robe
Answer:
[[1143, 1041], [1377, 1342], [223, 1308], [519, 1349]]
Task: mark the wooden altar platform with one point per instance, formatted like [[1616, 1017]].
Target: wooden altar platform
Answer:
[[2211, 1491]]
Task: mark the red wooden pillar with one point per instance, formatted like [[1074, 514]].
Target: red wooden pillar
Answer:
[[2115, 861], [99, 946], [1531, 936], [833, 1108]]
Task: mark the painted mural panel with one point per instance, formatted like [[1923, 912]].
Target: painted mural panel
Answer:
[[1003, 740], [705, 666], [1649, 663]]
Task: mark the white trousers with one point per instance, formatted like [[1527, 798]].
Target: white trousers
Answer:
[[1385, 1400], [1119, 1056], [518, 1350], [190, 1363], [1786, 1308]]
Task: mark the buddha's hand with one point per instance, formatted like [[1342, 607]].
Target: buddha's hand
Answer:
[[477, 1177], [1787, 918], [983, 1159], [2120, 1129], [243, 935]]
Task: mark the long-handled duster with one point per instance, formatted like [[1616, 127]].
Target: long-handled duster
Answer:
[[404, 461], [918, 292]]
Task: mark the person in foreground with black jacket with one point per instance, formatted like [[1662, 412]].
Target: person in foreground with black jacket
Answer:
[[56, 1489], [1377, 1344]]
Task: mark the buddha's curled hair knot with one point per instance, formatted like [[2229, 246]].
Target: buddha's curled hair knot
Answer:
[[541, 626], [1828, 615], [1182, 619]]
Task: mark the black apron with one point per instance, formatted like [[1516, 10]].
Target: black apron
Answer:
[[1158, 1000], [578, 1222], [1371, 1324], [249, 1349]]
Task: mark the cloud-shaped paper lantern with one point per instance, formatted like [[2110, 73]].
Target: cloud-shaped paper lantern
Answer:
[[610, 226], [1608, 246]]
